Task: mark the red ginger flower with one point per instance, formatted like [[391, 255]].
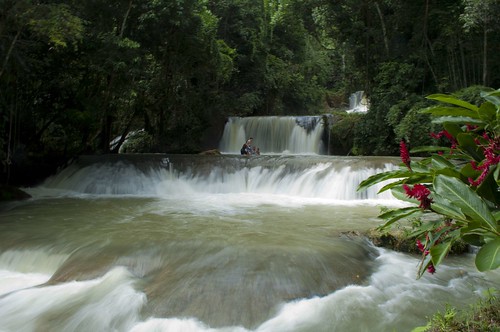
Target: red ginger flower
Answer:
[[446, 134], [405, 155], [430, 268], [421, 193], [492, 158]]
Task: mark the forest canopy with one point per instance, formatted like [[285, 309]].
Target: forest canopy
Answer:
[[76, 76]]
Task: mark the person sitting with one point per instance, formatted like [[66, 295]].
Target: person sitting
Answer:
[[246, 149]]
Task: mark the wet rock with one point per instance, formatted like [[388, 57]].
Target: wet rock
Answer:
[[10, 193]]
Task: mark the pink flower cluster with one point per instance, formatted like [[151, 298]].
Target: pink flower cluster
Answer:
[[491, 158], [421, 193], [405, 155], [431, 269], [446, 134]]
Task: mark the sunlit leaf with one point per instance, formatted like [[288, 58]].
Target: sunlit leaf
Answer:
[[458, 119], [451, 111], [439, 252], [452, 100], [377, 178], [488, 257], [465, 198]]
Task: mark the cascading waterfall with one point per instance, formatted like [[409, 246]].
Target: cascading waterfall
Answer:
[[315, 177], [139, 243], [277, 134]]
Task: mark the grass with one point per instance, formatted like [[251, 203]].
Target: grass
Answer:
[[483, 316]]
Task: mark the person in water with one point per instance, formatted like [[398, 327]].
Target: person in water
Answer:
[[246, 149]]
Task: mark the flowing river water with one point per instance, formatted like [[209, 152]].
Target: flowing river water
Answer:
[[214, 243]]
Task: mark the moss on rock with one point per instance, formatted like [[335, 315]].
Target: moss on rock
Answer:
[[398, 240]]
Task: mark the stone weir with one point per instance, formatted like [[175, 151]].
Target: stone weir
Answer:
[[205, 163]]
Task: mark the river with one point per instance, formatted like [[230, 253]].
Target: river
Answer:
[[214, 243]]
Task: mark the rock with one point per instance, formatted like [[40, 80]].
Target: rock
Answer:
[[213, 152], [10, 193]]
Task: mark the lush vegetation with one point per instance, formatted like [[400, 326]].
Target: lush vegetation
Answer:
[[482, 316], [76, 74], [454, 191]]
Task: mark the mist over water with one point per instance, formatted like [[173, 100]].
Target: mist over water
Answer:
[[213, 243]]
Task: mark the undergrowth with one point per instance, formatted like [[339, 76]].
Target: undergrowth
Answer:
[[482, 316]]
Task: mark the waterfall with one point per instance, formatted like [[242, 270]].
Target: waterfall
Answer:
[[358, 102], [276, 134], [311, 177]]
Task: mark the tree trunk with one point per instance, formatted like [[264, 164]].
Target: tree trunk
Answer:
[[384, 30], [124, 23], [9, 52], [485, 55]]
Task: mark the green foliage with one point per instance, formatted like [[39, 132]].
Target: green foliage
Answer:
[[481, 316], [457, 190], [89, 71], [342, 132], [58, 24]]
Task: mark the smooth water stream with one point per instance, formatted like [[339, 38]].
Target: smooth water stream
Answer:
[[213, 243]]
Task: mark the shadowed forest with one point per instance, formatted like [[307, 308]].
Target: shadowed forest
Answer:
[[76, 76]]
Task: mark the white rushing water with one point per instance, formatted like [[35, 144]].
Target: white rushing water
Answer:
[[214, 244], [276, 134]]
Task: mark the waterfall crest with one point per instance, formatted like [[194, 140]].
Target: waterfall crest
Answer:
[[315, 177]]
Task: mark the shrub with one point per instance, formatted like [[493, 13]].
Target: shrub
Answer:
[[456, 187]]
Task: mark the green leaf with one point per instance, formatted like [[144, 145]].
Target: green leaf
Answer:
[[444, 207], [452, 100], [397, 214], [488, 257], [439, 252], [493, 96], [430, 149], [467, 144], [453, 129], [451, 111], [422, 328], [497, 175], [439, 162], [377, 178], [466, 199], [488, 112], [458, 119], [473, 239], [496, 214]]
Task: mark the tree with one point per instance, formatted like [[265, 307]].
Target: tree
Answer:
[[482, 14]]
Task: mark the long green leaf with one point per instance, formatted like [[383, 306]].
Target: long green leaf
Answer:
[[429, 149], [452, 100], [493, 96], [444, 207], [397, 214], [488, 257], [439, 252], [439, 162], [451, 111], [466, 199], [458, 119], [379, 177]]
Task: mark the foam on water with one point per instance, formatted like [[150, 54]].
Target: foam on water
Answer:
[[391, 300]]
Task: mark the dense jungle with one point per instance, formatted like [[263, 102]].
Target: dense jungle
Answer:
[[78, 75]]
